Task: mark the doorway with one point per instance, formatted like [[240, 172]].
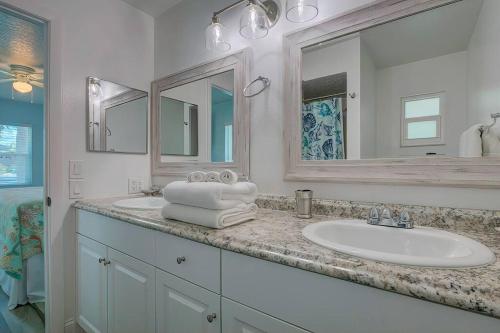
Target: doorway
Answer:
[[23, 132]]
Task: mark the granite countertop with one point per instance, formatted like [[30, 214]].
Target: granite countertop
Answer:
[[277, 236]]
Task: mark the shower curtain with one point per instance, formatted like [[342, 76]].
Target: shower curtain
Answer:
[[323, 130]]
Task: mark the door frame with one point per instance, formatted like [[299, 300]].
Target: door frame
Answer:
[[53, 159]]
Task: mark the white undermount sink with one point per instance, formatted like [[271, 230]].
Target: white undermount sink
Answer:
[[417, 247], [143, 203]]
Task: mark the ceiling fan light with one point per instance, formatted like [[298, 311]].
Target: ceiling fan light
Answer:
[[299, 11], [215, 37], [254, 23], [22, 87]]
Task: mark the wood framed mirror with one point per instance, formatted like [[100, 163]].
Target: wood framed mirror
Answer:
[[385, 93], [200, 118]]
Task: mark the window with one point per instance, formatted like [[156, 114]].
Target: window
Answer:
[[15, 155], [422, 120]]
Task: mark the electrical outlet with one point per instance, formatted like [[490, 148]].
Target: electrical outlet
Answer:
[[135, 185]]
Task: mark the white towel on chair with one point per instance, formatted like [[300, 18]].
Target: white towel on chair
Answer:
[[471, 143], [210, 218], [210, 195]]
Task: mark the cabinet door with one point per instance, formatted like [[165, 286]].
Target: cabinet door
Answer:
[[131, 294], [91, 286], [241, 319], [182, 307]]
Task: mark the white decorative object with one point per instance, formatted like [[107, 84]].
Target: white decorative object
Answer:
[[228, 177], [197, 177], [213, 177]]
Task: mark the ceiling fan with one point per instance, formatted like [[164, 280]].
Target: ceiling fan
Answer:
[[23, 78]]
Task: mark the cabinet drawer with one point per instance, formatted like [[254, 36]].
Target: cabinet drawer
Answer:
[[193, 261], [127, 238], [323, 304]]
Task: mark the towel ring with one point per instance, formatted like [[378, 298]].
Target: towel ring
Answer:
[[265, 81], [494, 116]]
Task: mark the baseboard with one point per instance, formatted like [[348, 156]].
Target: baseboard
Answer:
[[70, 326]]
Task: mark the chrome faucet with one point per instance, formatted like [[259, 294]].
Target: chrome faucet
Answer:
[[387, 220]]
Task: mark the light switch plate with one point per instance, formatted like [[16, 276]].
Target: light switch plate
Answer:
[[135, 185], [76, 188], [75, 169]]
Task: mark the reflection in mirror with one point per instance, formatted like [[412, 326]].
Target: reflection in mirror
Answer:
[[196, 120], [407, 88], [117, 118]]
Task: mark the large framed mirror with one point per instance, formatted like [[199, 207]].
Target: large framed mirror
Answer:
[[200, 118], [117, 118], [395, 92]]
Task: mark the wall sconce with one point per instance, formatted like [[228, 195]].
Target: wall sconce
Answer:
[[257, 18]]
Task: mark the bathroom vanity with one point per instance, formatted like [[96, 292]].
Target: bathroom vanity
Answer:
[[262, 276]]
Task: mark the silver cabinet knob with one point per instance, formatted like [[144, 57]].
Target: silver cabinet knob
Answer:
[[106, 262], [101, 260], [211, 317], [180, 260]]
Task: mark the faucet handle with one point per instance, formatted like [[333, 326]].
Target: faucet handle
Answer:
[[373, 217], [405, 221], [404, 216]]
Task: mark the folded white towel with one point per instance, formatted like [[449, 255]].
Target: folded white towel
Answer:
[[470, 142], [228, 177], [213, 176], [208, 217], [491, 142], [197, 177], [210, 195]]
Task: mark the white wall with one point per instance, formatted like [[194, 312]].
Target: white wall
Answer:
[[180, 44], [334, 58], [110, 40], [368, 111], [442, 74], [483, 67]]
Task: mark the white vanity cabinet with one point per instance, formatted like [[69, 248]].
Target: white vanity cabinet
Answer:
[[92, 286], [183, 307], [132, 279], [116, 293]]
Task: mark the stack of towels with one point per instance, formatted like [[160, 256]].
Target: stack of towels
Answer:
[[211, 199]]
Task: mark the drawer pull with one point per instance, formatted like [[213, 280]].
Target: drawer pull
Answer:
[[211, 317], [180, 260]]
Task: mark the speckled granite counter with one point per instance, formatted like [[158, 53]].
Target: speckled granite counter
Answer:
[[276, 236]]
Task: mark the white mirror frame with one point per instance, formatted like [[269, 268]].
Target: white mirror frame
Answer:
[[239, 62], [442, 171]]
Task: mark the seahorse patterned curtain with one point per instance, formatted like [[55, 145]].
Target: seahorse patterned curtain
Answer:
[[323, 130]]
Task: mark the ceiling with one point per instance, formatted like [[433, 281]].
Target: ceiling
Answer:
[[426, 35], [21, 42], [153, 7]]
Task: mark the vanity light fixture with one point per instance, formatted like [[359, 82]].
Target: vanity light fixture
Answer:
[[253, 22], [95, 87], [257, 18], [299, 11], [214, 36]]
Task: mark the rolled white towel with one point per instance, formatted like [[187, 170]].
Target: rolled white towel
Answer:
[[228, 177], [197, 177], [208, 217], [210, 195], [470, 142], [213, 176]]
